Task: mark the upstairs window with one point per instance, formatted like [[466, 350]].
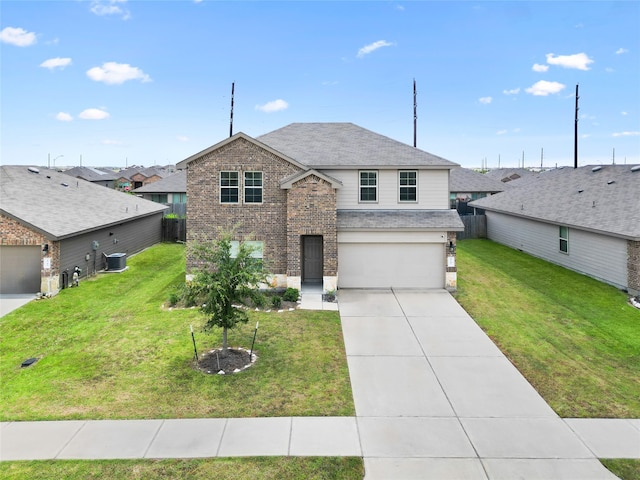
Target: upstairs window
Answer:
[[564, 239], [368, 186], [229, 187], [408, 184], [252, 187]]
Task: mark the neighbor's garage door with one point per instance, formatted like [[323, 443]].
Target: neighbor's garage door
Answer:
[[20, 269], [384, 265]]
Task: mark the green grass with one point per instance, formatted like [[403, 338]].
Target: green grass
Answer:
[[575, 339], [108, 350], [623, 468], [265, 468]]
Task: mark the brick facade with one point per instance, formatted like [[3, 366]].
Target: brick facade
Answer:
[[451, 280], [265, 222], [311, 210], [633, 267], [16, 234]]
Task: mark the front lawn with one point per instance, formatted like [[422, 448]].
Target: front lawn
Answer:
[[575, 339], [108, 350]]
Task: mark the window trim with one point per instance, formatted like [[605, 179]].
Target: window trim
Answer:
[[245, 187], [564, 239], [400, 186], [361, 186], [230, 187]]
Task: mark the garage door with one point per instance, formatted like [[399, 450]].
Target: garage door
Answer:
[[20, 269], [384, 265]]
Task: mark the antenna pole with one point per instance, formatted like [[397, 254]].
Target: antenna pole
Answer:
[[541, 157], [575, 134], [415, 114], [231, 120]]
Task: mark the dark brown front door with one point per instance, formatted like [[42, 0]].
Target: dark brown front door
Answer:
[[312, 258]]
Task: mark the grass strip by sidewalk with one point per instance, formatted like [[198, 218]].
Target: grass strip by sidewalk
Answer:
[[107, 350], [577, 340], [265, 468]]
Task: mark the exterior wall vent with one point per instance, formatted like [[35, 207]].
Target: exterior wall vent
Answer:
[[635, 168], [33, 170]]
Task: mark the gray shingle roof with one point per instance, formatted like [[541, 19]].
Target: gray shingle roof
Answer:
[[92, 174], [42, 202], [176, 183], [464, 180], [339, 145], [605, 201], [399, 219], [512, 177]]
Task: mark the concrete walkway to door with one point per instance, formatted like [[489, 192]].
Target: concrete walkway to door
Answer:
[[435, 398]]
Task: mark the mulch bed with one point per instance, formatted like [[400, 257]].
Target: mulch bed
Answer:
[[234, 360]]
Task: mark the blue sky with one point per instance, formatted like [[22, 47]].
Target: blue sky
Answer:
[[118, 82]]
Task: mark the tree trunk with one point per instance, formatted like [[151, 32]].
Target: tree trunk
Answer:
[[224, 338]]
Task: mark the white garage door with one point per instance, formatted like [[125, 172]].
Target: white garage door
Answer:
[[384, 265], [20, 269]]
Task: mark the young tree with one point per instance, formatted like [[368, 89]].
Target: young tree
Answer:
[[226, 278]]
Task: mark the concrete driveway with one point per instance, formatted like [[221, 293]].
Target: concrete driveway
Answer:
[[435, 398], [9, 302]]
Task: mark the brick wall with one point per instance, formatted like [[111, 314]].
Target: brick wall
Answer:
[[633, 267], [311, 210], [266, 222]]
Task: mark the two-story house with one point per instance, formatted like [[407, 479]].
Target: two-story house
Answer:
[[329, 203]]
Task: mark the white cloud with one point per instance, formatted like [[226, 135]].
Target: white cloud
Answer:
[[64, 117], [624, 113], [400, 8], [111, 142], [620, 51], [539, 68], [182, 138], [110, 7], [18, 37], [626, 134], [57, 62], [485, 100], [113, 73], [93, 114], [373, 47], [513, 91], [544, 88], [578, 61], [501, 132], [273, 106]]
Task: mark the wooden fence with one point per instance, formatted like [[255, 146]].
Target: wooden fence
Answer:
[[174, 229], [179, 209], [475, 226]]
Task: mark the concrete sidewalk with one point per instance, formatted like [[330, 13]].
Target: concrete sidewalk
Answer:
[[434, 398]]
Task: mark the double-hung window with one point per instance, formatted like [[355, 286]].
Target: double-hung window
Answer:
[[252, 187], [564, 239], [368, 186], [408, 185], [229, 187]]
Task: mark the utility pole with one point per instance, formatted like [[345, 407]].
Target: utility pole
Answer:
[[614, 156], [541, 157], [231, 121], [575, 134], [415, 114]]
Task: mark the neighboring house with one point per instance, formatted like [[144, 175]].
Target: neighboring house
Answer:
[[97, 176], [171, 189], [136, 177], [466, 185], [512, 177], [49, 223], [586, 219], [329, 203]]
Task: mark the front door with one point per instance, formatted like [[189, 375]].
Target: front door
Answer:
[[312, 258]]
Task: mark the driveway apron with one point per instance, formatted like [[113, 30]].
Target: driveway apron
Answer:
[[435, 398]]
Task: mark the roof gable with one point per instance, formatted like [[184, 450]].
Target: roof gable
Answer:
[[288, 182], [603, 199], [176, 183], [59, 206]]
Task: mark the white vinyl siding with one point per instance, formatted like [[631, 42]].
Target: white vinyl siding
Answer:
[[599, 256], [433, 190]]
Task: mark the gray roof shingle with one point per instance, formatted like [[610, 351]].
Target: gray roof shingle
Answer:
[[175, 183], [41, 201], [340, 145], [464, 180], [91, 174], [400, 219], [606, 201]]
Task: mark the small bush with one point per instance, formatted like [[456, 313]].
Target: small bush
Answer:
[[276, 301], [174, 298], [259, 301], [291, 295]]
